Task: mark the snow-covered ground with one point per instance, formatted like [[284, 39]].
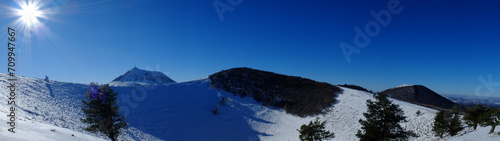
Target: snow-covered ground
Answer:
[[35, 131], [480, 134], [344, 116], [49, 103], [183, 111]]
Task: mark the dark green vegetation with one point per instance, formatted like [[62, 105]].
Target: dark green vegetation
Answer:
[[447, 121], [382, 121], [482, 115], [474, 114], [356, 87], [315, 131], [296, 95], [102, 113], [490, 118], [439, 126]]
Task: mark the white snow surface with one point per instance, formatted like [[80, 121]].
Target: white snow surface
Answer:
[[35, 131], [480, 134], [56, 105], [183, 112], [403, 85], [137, 76]]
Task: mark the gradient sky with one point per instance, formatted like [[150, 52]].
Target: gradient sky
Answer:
[[442, 44]]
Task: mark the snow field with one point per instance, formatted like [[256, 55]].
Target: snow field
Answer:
[[183, 111]]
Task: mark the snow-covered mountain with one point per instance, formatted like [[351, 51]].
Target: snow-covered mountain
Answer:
[[183, 111], [137, 76]]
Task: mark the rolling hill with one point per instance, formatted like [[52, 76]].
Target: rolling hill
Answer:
[[421, 95]]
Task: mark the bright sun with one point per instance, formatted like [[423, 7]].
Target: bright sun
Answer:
[[30, 13]]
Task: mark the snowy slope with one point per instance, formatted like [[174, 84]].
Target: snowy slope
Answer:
[[50, 103], [137, 76], [34, 131], [481, 134], [183, 111], [345, 115]]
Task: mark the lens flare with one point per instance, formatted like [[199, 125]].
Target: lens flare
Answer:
[[30, 13]]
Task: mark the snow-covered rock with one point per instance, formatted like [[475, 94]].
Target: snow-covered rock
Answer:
[[137, 76]]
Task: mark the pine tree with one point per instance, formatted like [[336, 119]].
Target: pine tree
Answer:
[[455, 124], [473, 115], [447, 121], [491, 118], [314, 131], [382, 121], [440, 124], [101, 112]]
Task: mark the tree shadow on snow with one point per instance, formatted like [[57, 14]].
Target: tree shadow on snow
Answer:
[[51, 92]]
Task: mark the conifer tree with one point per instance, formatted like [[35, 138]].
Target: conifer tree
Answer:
[[440, 124], [491, 118], [382, 121], [455, 124], [101, 112], [314, 131], [447, 121], [473, 115]]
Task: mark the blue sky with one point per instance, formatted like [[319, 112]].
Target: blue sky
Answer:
[[445, 45]]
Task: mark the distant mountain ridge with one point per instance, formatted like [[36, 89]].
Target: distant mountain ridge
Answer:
[[471, 100], [421, 95], [136, 76]]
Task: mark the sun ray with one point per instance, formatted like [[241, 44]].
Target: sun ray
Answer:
[[30, 13]]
